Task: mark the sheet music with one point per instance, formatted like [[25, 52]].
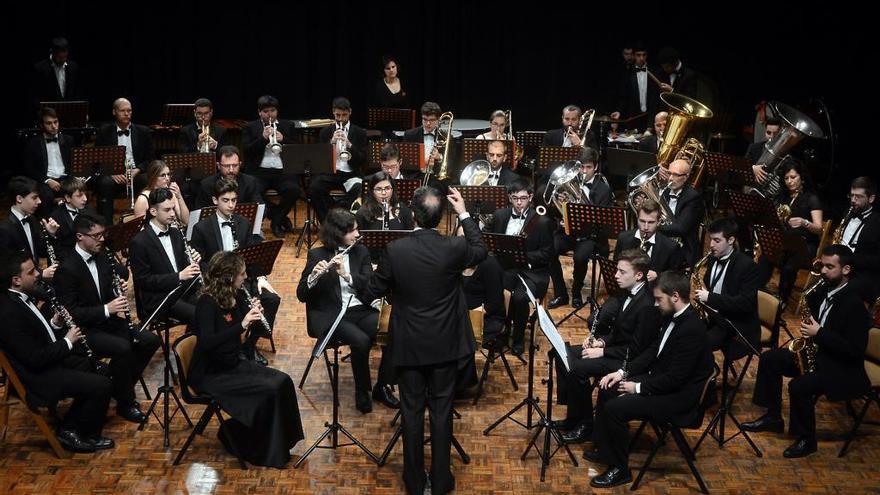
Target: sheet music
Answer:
[[194, 217], [258, 220], [316, 352], [549, 328]]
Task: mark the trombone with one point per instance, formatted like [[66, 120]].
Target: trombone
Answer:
[[444, 140], [584, 125]]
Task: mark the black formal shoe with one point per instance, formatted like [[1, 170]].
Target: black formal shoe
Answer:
[[71, 441], [579, 434], [286, 224], [612, 477], [765, 423], [383, 394], [592, 455], [102, 443], [557, 302], [802, 448], [260, 359], [131, 413], [277, 231], [517, 350], [577, 302], [363, 402]]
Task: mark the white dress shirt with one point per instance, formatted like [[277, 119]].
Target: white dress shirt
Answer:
[[93, 270], [60, 75], [123, 140], [642, 79], [827, 304], [25, 299], [26, 226], [225, 232], [515, 225], [716, 278], [166, 243], [854, 229], [632, 293], [652, 240], [428, 139], [345, 288], [55, 169]]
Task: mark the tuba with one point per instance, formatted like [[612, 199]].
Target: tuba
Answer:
[[647, 185], [683, 111], [804, 348], [697, 284], [444, 140], [796, 126], [566, 188], [694, 153]]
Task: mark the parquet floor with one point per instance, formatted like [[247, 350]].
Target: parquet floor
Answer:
[[139, 463]]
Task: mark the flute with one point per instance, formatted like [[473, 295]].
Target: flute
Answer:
[[315, 276]]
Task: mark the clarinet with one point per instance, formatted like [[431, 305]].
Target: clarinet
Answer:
[[50, 249], [263, 319], [59, 308], [186, 247], [386, 215], [623, 365], [234, 237], [119, 289]]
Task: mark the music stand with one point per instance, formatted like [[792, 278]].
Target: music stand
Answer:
[[753, 208], [550, 156], [398, 432], [166, 388], [585, 221], [119, 235], [177, 114], [771, 241], [260, 258], [481, 199], [307, 160], [390, 119], [187, 167], [731, 172], [246, 210], [621, 165], [412, 157], [509, 250], [98, 160], [335, 428], [530, 141], [476, 149], [73, 114]]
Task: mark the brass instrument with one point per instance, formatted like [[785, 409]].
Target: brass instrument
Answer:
[[584, 124], [263, 320], [647, 185], [205, 129], [540, 210], [697, 284], [274, 146], [683, 112], [120, 288], [566, 183], [314, 277], [518, 150], [342, 152], [694, 153], [475, 173], [837, 237], [804, 348], [783, 211], [642, 241], [757, 252], [444, 140], [796, 126]]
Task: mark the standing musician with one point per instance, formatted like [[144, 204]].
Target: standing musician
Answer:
[[159, 261], [229, 165], [665, 254], [22, 231], [430, 329], [47, 158], [389, 159], [640, 94], [427, 133], [75, 203], [567, 136], [686, 205], [346, 276], [596, 192], [837, 321], [261, 140], [350, 144], [382, 210], [665, 380], [861, 233], [88, 282], [625, 326], [50, 367], [730, 287], [521, 219], [194, 138], [228, 231]]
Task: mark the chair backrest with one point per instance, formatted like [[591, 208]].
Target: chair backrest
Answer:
[[872, 357], [183, 348], [769, 311]]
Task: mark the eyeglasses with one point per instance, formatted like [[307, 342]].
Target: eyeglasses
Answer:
[[98, 236], [519, 198], [383, 189], [430, 120]]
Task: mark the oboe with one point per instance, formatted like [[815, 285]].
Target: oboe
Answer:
[[313, 277], [59, 308], [263, 319], [119, 289]]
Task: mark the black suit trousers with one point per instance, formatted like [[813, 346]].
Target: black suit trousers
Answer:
[[127, 360], [287, 186], [802, 390], [319, 192], [574, 387], [91, 396], [583, 251]]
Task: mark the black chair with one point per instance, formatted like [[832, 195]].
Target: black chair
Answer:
[[183, 352], [497, 350], [673, 426], [872, 367]]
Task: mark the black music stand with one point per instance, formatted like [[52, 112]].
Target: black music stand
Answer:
[[388, 120], [166, 388], [70, 113], [406, 188], [335, 428], [259, 260], [476, 149], [480, 200], [177, 114], [621, 165], [550, 156], [598, 222], [731, 172], [98, 160], [307, 160], [188, 167], [120, 234], [771, 241]]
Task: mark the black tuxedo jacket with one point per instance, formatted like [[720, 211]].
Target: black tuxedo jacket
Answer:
[[208, 240], [189, 137], [738, 301], [867, 252], [36, 158], [77, 292], [65, 237], [634, 329], [154, 276], [754, 152], [14, 239], [539, 247], [359, 144], [556, 137], [685, 222], [141, 142], [629, 102], [685, 82], [254, 144], [430, 322], [666, 254], [249, 190], [45, 85], [324, 300]]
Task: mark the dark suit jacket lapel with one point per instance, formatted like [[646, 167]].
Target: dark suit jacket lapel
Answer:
[[157, 244], [36, 323]]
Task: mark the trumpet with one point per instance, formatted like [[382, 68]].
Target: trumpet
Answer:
[[274, 146], [315, 276], [205, 136], [342, 152]]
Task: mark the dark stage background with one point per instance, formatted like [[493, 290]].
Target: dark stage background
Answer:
[[471, 59]]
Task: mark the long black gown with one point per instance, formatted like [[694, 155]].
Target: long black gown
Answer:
[[261, 401]]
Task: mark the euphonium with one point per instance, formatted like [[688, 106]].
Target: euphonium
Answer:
[[697, 284], [647, 185], [566, 188], [804, 348]]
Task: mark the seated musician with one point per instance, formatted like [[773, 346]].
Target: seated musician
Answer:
[[499, 174], [665, 380], [47, 361], [159, 261], [521, 219], [261, 401], [686, 205], [346, 277], [625, 326], [194, 139], [595, 192], [47, 158], [861, 233], [228, 231], [22, 231], [382, 210], [805, 222], [426, 133], [75, 203], [497, 127], [568, 136], [651, 144], [138, 142], [345, 138], [159, 176], [85, 286], [756, 149], [730, 287], [389, 159], [229, 165], [665, 254], [483, 285], [837, 322], [264, 163]]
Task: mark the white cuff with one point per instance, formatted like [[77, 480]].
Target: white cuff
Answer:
[[638, 388], [464, 215], [69, 345], [106, 312]]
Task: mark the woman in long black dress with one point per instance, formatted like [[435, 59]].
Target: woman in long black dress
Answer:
[[389, 90], [261, 401]]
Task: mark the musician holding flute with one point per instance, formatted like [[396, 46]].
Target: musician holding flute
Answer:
[[335, 272], [85, 286]]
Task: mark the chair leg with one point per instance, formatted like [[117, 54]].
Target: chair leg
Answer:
[[688, 454], [660, 440], [49, 434], [144, 387], [856, 424], [200, 427], [635, 438], [229, 438]]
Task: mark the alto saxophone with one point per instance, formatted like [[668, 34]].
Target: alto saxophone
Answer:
[[804, 347], [697, 285]]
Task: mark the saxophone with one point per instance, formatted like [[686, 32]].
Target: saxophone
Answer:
[[837, 237], [697, 284], [804, 348]]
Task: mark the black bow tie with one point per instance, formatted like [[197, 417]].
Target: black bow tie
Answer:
[[90, 259], [125, 132], [25, 220], [226, 224], [640, 69], [51, 139], [73, 212], [26, 298], [514, 216], [673, 196], [648, 245], [162, 234], [494, 175]]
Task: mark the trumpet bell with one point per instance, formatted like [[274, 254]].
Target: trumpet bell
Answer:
[[275, 148], [476, 173]]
